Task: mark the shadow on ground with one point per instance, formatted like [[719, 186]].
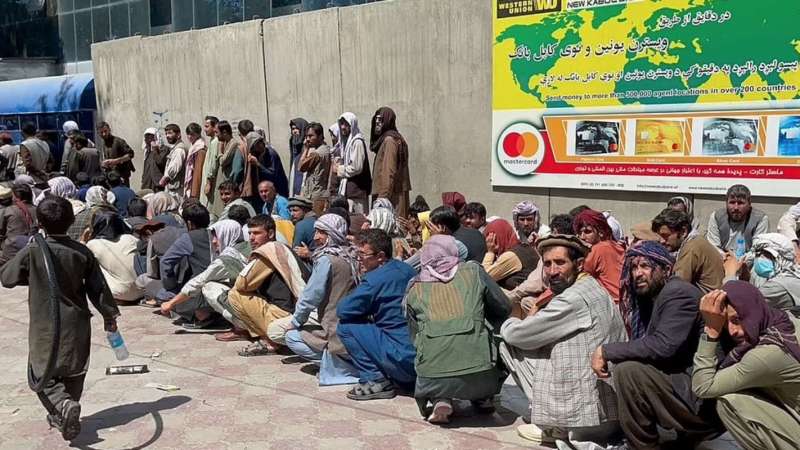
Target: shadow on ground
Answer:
[[123, 415]]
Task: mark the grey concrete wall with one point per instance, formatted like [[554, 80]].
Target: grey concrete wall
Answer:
[[429, 60], [180, 78], [20, 68]]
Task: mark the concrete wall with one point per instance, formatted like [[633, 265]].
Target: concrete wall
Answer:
[[429, 60], [21, 68]]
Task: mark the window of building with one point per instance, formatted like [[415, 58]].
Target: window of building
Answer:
[[120, 23], [160, 13]]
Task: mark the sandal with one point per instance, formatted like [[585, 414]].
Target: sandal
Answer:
[[442, 409], [257, 348], [150, 303], [372, 390]]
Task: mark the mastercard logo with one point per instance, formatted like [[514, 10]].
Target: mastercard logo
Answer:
[[520, 144], [520, 149]]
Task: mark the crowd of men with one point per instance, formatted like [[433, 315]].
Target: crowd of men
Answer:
[[614, 337]]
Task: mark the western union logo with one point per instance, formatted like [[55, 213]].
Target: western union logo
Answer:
[[516, 8]]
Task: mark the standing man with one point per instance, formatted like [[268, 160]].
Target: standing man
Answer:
[[391, 179], [211, 165], [262, 163], [315, 163], [353, 167], [175, 169], [195, 161], [115, 153], [34, 154], [82, 158], [274, 203], [155, 160], [732, 228]]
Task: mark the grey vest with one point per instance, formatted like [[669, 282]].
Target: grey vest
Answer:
[[725, 227]]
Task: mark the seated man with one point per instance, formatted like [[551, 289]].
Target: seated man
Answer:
[[212, 285], [548, 352], [188, 256], [335, 274], [453, 309], [697, 261], [733, 228], [268, 287], [652, 371], [303, 218], [446, 221], [372, 325], [475, 216], [772, 269], [757, 384], [230, 194], [604, 261]]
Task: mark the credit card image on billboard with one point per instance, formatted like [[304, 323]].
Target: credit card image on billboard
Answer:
[[730, 137], [596, 138], [660, 137], [789, 136]]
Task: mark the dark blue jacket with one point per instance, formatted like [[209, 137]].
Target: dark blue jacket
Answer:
[[379, 299]]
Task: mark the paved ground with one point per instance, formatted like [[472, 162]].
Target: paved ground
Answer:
[[224, 401]]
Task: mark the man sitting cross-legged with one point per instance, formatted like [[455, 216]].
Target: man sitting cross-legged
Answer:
[[268, 286]]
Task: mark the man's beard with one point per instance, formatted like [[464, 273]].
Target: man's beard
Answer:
[[561, 284], [652, 289]]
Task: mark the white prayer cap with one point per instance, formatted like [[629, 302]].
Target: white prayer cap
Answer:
[[69, 125]]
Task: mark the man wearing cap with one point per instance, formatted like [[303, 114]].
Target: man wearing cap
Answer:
[[652, 372], [155, 160], [548, 352], [303, 218]]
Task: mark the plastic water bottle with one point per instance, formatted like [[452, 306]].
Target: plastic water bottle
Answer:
[[740, 247], [117, 344]]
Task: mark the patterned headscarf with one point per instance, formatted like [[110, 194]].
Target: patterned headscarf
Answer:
[[439, 259], [60, 187], [160, 203], [337, 245], [383, 203], [594, 219], [228, 233], [657, 254], [780, 248], [99, 196], [383, 219], [763, 325]]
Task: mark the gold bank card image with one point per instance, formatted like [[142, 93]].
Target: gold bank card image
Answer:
[[660, 137]]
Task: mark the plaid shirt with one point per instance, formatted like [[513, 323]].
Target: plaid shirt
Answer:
[[558, 377]]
